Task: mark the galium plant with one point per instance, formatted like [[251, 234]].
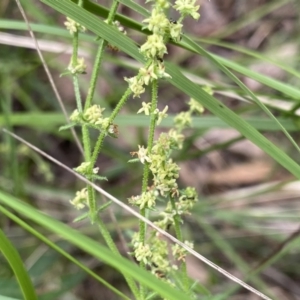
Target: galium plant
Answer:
[[160, 194], [160, 172]]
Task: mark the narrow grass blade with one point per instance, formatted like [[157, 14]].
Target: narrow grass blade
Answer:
[[15, 261]]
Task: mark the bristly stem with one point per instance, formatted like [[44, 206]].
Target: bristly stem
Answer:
[[153, 119], [88, 103], [75, 76], [149, 147], [101, 137]]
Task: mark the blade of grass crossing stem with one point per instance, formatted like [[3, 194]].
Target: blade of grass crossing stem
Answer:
[[93, 248], [15, 261], [114, 37], [59, 250]]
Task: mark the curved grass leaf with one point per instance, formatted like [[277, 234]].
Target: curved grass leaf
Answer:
[[15, 261]]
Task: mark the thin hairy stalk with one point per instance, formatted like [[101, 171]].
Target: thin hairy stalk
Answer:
[[178, 232], [101, 137], [99, 57], [95, 74], [77, 92], [140, 217], [142, 225], [88, 103], [50, 78], [97, 149], [74, 61], [142, 229], [112, 246]]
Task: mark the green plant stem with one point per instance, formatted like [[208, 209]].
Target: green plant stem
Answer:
[[101, 137], [112, 246], [142, 225], [178, 232], [95, 74], [75, 76], [88, 103], [149, 147]]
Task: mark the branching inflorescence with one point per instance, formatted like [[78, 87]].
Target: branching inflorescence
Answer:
[[149, 248]]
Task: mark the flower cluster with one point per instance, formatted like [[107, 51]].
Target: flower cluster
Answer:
[[84, 168], [155, 47], [146, 199], [154, 252], [81, 199], [154, 70], [94, 117], [73, 26], [187, 7], [179, 253], [78, 68]]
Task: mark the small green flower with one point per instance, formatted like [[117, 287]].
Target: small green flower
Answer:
[[146, 107], [176, 139], [147, 199], [84, 168], [195, 106], [143, 253], [161, 71], [105, 124], [75, 116], [94, 114], [81, 199], [79, 68], [161, 114], [183, 120], [147, 75], [73, 26], [187, 7], [154, 47], [162, 4], [158, 22], [118, 25], [142, 154], [179, 252], [175, 31], [136, 86]]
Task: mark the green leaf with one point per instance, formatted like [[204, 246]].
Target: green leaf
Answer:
[[65, 127], [15, 261]]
